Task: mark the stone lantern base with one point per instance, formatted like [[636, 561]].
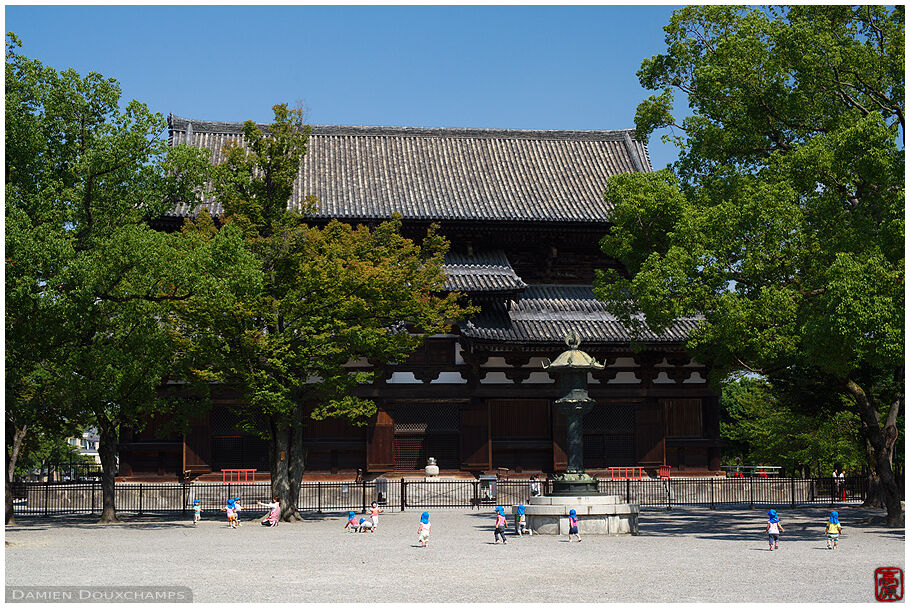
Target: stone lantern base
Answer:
[[575, 484], [599, 514]]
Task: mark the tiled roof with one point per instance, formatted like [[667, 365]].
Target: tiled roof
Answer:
[[447, 173], [481, 272], [547, 313]]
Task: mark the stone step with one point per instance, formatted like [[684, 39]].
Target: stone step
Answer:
[[576, 500], [580, 510]]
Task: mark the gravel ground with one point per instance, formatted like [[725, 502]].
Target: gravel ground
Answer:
[[684, 555]]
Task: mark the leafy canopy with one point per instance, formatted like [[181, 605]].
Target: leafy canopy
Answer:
[[322, 295], [782, 222], [89, 323]]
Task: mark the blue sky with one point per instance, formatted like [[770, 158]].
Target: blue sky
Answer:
[[522, 67]]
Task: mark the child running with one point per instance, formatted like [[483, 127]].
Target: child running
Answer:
[[352, 525], [423, 530], [573, 525], [231, 513], [521, 522], [773, 529], [832, 531], [237, 510], [274, 511], [197, 511], [374, 514], [501, 525]]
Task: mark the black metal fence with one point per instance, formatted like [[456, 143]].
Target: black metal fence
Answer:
[[45, 498], [66, 471]]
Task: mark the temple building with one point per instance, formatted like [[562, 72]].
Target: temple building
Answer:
[[524, 212]]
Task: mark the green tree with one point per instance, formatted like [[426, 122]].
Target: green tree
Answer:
[[89, 322], [761, 424], [782, 223], [324, 296]]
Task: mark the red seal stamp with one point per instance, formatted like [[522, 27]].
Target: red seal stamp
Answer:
[[889, 584]]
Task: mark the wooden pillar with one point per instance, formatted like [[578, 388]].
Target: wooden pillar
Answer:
[[712, 430], [650, 433], [380, 439], [476, 447]]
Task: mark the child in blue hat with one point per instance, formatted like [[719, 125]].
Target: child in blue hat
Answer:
[[364, 525], [832, 531], [231, 512], [353, 525], [521, 522], [501, 525], [573, 525], [197, 511], [773, 529], [423, 530]]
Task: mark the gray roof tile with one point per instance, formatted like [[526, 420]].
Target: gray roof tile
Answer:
[[481, 272], [447, 173], [547, 313]]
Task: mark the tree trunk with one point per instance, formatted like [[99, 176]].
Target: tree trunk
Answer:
[[881, 443], [107, 451], [11, 457], [295, 461], [10, 518], [18, 437], [279, 453]]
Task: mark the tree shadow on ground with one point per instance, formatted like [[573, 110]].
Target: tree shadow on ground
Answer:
[[739, 524]]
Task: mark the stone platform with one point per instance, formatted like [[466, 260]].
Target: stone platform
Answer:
[[598, 514]]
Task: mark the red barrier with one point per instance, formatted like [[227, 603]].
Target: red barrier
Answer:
[[238, 475], [626, 472]]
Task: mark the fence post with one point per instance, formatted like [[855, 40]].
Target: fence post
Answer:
[[93, 496], [792, 492], [184, 498], [140, 499], [628, 491], [363, 495], [476, 501], [669, 506], [47, 492], [713, 503], [403, 491], [319, 497], [751, 493]]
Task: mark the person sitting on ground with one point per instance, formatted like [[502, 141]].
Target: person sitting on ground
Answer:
[[274, 511], [352, 524], [365, 525]]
